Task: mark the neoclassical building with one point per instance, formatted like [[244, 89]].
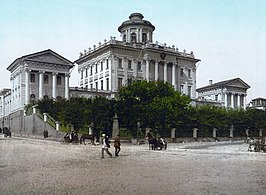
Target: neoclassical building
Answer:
[[229, 93], [33, 77], [114, 63]]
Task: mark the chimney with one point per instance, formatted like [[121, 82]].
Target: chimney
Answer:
[[210, 82]]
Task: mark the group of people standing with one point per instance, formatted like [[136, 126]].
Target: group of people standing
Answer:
[[106, 145]]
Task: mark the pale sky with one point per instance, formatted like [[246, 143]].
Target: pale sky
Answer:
[[228, 36]]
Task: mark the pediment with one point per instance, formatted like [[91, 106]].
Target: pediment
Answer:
[[49, 56], [238, 83]]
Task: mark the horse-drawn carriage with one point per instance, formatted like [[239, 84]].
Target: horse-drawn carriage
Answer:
[[156, 143], [256, 144]]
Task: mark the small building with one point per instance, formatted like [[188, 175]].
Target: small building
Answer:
[[229, 93], [258, 103]]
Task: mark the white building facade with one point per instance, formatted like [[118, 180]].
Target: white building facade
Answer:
[[35, 76], [114, 63], [229, 93]]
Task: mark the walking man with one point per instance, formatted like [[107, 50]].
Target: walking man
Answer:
[[105, 145], [117, 145]]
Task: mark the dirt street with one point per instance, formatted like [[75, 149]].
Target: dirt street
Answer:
[[33, 166]]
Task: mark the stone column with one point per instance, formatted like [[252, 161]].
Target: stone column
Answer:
[[140, 36], [129, 36], [135, 68], [114, 73], [232, 100], [193, 92], [143, 69], [232, 131], [125, 67], [165, 72], [173, 133], [214, 130], [34, 109], [238, 100], [115, 131], [147, 70], [45, 117], [156, 70], [260, 132], [245, 103], [27, 97], [54, 86], [41, 85], [57, 125], [225, 100], [195, 133], [67, 86], [173, 75]]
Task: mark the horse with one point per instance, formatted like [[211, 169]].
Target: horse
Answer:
[[87, 136]]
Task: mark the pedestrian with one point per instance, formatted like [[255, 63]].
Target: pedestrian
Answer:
[[105, 145], [117, 145]]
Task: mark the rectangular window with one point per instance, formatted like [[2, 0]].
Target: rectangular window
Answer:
[[91, 85], [91, 70], [96, 68], [182, 88], [81, 74], [46, 79], [189, 73], [59, 80], [189, 91], [101, 66], [96, 86], [86, 73], [139, 66], [129, 64], [120, 63], [32, 78], [107, 64], [181, 72], [101, 84], [107, 84], [120, 83]]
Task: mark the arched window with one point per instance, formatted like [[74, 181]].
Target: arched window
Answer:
[[133, 38], [144, 37]]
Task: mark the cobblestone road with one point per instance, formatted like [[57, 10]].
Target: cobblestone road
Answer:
[[32, 166]]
